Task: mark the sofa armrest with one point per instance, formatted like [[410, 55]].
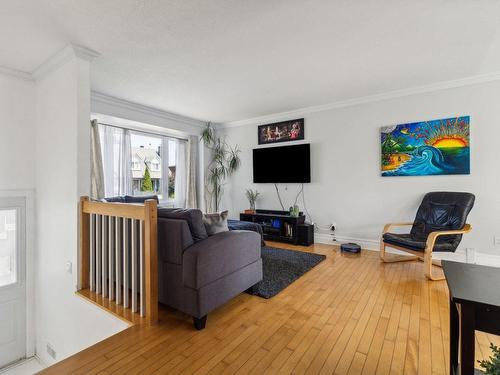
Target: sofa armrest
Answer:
[[218, 256], [174, 237]]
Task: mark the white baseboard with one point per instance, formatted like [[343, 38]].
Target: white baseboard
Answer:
[[330, 239], [41, 361], [374, 245]]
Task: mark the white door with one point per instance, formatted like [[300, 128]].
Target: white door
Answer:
[[12, 280]]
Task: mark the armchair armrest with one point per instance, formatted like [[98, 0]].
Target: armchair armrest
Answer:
[[391, 225], [431, 239]]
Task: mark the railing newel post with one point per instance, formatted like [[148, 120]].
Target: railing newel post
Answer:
[[84, 245]]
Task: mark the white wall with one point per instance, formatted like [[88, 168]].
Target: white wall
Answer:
[[345, 154], [17, 155], [17, 143], [62, 136]]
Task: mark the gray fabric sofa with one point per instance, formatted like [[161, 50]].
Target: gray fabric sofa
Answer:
[[198, 273]]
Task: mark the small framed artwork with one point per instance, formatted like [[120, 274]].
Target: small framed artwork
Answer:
[[284, 131]]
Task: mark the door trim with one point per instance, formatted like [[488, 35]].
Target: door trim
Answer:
[[29, 227]]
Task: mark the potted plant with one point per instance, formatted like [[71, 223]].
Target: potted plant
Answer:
[[225, 161], [252, 198], [492, 365]]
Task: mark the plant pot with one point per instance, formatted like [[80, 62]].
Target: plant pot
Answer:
[[249, 212]]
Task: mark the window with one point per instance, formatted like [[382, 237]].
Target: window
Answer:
[[136, 164], [148, 178], [155, 165], [133, 163], [8, 246]]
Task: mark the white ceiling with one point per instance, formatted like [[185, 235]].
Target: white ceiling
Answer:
[[224, 60]]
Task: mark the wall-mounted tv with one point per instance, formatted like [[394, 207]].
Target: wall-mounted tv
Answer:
[[286, 164]]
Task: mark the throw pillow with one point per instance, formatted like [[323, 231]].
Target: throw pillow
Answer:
[[215, 223], [194, 218]]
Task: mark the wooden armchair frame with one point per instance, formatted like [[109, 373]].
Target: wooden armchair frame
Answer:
[[425, 256]]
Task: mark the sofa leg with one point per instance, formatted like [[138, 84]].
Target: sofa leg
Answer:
[[199, 323]]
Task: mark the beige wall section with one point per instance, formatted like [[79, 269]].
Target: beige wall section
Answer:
[[17, 143], [63, 320]]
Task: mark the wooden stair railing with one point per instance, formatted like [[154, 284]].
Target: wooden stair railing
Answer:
[[118, 251]]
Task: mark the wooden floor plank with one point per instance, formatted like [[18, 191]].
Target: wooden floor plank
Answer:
[[349, 315]]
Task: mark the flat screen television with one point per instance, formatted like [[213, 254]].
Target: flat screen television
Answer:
[[285, 164]]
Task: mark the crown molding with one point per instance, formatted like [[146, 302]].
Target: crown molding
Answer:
[[16, 73], [444, 85], [62, 56], [84, 52], [122, 103]]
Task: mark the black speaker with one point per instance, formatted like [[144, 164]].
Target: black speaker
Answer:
[[305, 234]]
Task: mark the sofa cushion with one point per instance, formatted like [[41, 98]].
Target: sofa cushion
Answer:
[[130, 199], [215, 223], [406, 241], [119, 199], [194, 218], [218, 256], [140, 198]]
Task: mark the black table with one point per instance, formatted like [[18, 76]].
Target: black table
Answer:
[[474, 305]]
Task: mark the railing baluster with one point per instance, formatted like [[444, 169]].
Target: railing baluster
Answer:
[[92, 252], [118, 255], [111, 258], [141, 268], [105, 256], [134, 264], [118, 262], [98, 254], [126, 252]]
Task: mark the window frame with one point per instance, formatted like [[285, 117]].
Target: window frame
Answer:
[[19, 206], [163, 197]]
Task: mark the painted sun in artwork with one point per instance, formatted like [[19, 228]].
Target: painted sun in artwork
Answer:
[[452, 133], [450, 143]]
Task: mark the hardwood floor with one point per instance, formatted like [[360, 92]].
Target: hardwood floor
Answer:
[[349, 315]]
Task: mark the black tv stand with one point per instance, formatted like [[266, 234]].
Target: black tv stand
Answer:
[[277, 225]]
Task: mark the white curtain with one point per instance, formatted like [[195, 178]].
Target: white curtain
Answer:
[[116, 156], [97, 171], [192, 155], [180, 173]]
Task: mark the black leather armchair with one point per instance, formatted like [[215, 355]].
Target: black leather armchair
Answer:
[[438, 226]]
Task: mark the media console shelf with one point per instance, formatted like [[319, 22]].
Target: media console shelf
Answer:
[[279, 225]]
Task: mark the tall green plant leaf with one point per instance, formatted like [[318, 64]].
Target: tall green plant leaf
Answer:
[[225, 161], [234, 160], [208, 135]]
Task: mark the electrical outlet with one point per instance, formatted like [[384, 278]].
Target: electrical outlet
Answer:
[[69, 267], [470, 255], [51, 351], [496, 241], [333, 226]]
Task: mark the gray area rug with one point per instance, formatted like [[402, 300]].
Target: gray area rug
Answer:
[[282, 267]]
